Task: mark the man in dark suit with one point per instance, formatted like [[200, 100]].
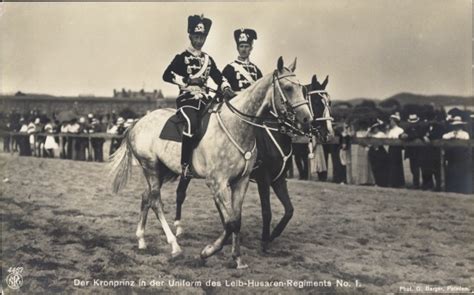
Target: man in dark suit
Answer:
[[414, 131]]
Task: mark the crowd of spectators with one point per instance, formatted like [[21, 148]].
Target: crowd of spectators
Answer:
[[385, 166], [53, 137]]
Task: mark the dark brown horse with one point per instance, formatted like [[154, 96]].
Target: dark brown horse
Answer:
[[274, 157]]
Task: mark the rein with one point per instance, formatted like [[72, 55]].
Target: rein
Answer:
[[282, 117]]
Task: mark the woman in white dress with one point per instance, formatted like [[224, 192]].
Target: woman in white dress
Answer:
[[50, 144], [361, 171]]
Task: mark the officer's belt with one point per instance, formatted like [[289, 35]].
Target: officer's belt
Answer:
[[194, 89]]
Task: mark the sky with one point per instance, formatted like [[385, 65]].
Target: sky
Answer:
[[369, 48]]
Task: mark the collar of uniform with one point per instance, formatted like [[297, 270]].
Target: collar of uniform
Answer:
[[243, 62], [194, 51]]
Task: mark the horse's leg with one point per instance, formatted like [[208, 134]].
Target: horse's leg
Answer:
[[180, 197], [264, 192], [218, 244], [238, 194], [223, 201], [142, 220], [281, 190], [154, 202], [170, 237], [145, 206], [157, 207]]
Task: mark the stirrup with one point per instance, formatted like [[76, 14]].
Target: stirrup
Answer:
[[186, 171]]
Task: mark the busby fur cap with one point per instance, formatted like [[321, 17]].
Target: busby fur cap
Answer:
[[198, 24], [245, 36]]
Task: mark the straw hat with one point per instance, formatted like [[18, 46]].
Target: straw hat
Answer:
[[395, 116], [129, 122], [457, 121], [413, 118]]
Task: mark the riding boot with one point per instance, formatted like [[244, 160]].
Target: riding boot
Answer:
[[186, 154]]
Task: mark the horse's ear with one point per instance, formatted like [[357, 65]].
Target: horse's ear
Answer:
[[325, 83], [314, 82], [280, 64], [292, 66]]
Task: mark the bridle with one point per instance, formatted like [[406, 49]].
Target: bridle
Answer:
[[286, 117], [286, 103], [325, 99], [326, 115]]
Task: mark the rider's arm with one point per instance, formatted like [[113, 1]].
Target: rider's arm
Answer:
[[217, 76], [175, 72], [227, 72], [229, 75], [259, 74]]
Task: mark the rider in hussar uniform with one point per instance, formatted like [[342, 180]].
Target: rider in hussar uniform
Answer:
[[241, 73], [190, 70]]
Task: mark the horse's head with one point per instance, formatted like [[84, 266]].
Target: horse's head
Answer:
[[320, 104], [286, 98]]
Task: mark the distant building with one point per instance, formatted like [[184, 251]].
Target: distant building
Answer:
[[139, 102], [155, 94]]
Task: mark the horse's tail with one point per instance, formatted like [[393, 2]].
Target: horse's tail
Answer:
[[120, 165]]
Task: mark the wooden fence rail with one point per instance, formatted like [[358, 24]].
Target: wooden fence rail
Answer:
[[441, 143]]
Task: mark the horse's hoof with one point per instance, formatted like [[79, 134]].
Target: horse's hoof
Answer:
[[179, 231], [141, 245], [177, 254], [207, 251], [242, 266], [179, 228], [265, 247]]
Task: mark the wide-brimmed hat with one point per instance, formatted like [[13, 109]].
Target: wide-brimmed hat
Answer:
[[395, 116], [48, 127], [457, 120], [413, 118], [129, 122]]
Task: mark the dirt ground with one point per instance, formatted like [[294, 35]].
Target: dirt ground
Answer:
[[61, 223]]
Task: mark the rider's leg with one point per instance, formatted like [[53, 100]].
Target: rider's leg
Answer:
[[191, 116]]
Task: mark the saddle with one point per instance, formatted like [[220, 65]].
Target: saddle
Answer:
[[173, 128]]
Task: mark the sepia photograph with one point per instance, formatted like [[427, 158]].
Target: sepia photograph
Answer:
[[237, 147]]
